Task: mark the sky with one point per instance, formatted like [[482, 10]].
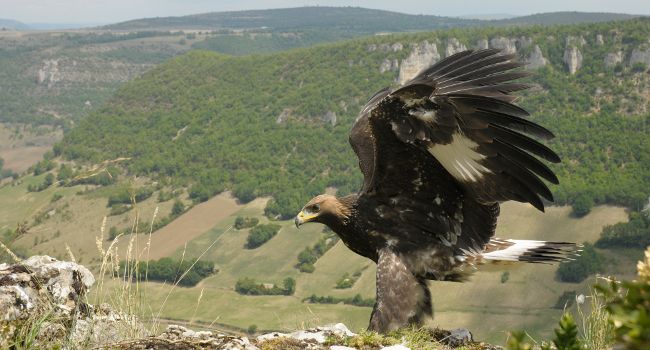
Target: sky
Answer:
[[111, 11]]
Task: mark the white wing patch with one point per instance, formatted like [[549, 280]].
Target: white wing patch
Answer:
[[513, 252], [460, 158]]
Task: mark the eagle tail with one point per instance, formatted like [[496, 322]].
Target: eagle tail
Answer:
[[530, 251]]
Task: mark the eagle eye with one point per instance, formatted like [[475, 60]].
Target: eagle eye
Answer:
[[314, 208]]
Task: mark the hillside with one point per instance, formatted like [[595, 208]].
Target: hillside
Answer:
[[71, 225], [10, 24], [277, 124], [349, 19], [58, 77]]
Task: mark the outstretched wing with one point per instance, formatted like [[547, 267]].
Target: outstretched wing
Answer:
[[453, 134]]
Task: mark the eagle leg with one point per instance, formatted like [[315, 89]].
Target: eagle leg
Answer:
[[403, 299]]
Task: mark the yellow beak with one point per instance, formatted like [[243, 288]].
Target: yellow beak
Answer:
[[302, 218]]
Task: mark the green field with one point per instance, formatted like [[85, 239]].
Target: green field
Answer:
[[525, 301]]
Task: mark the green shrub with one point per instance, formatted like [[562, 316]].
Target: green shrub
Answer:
[[356, 300], [582, 205], [261, 234], [629, 308], [248, 286], [587, 263], [185, 273], [632, 234], [245, 222]]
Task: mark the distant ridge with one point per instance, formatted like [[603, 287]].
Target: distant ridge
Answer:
[[12, 24], [349, 19]]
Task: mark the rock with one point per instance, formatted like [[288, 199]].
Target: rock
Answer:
[[640, 56], [40, 281], [396, 347], [459, 337], [572, 59], [44, 289], [613, 58], [397, 47], [599, 40], [49, 74], [284, 116], [482, 44], [422, 55], [506, 44], [341, 347], [371, 48], [454, 46], [329, 117], [388, 65], [318, 334], [536, 59]]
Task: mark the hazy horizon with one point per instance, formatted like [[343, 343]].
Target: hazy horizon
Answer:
[[94, 12]]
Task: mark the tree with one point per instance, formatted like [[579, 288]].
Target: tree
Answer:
[[587, 263], [178, 208], [289, 285], [582, 205]]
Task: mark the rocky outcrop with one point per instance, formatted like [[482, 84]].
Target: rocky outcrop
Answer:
[[329, 117], [49, 73], [613, 58], [63, 70], [454, 46], [572, 59], [395, 47], [388, 65], [536, 59], [283, 116], [508, 45], [41, 280], [422, 55], [640, 56], [599, 40]]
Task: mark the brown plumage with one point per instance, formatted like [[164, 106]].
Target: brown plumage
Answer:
[[438, 155]]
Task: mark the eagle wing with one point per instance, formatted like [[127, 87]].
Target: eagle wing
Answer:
[[453, 135]]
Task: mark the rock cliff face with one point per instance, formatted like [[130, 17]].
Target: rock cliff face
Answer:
[[536, 59], [422, 55], [454, 46], [640, 55], [63, 70], [613, 58], [509, 45], [388, 65], [572, 59]]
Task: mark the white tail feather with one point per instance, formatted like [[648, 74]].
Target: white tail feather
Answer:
[[532, 251]]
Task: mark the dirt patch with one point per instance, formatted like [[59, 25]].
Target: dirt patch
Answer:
[[20, 159], [190, 225]]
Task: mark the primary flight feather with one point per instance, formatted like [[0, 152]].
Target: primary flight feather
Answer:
[[438, 155]]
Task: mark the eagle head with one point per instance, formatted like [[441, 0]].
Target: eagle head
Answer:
[[325, 209]]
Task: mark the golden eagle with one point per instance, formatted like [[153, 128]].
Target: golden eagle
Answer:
[[438, 155]]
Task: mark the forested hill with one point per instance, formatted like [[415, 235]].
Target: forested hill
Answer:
[[347, 19], [277, 124]]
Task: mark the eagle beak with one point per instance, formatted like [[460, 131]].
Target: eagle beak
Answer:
[[302, 218]]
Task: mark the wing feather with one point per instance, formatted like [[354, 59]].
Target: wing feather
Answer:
[[457, 120]]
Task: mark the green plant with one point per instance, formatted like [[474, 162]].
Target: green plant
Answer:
[[566, 336], [629, 308]]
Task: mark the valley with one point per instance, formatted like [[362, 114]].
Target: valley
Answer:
[[149, 139]]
